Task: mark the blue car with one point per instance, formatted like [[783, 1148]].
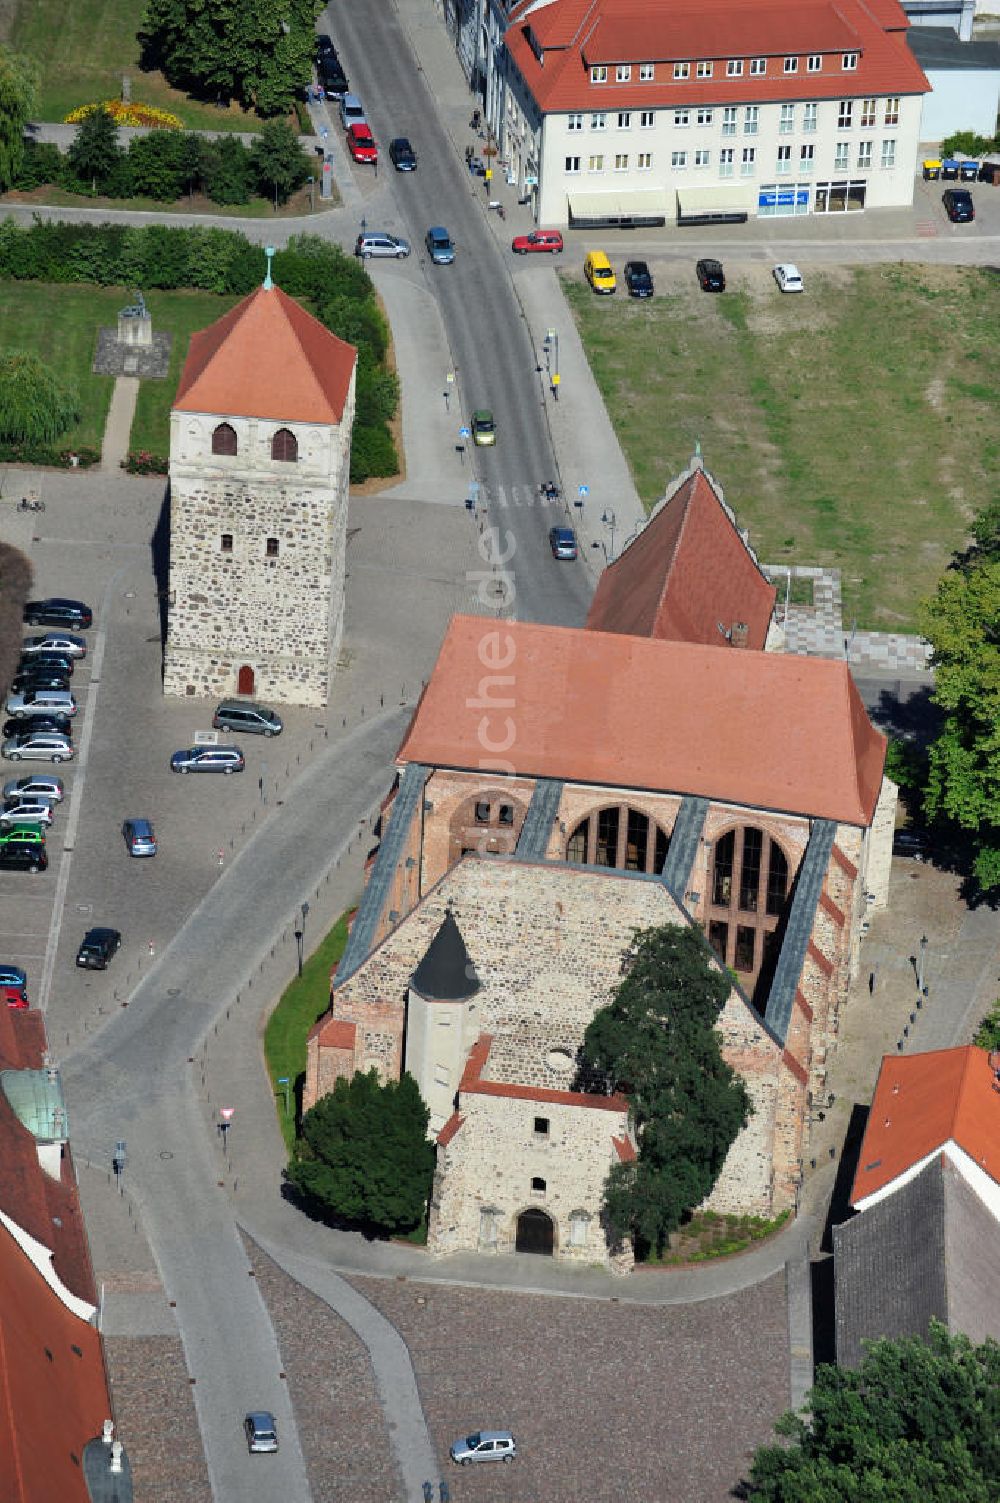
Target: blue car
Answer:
[[439, 246]]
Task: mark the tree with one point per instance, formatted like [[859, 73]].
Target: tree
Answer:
[[365, 1153], [917, 1422], [95, 152], [987, 1035], [251, 50], [225, 170], [962, 623], [278, 160], [163, 163], [36, 405], [657, 1042], [966, 143], [18, 87]]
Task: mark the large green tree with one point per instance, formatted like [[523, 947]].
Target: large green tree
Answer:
[[365, 1154], [36, 405], [258, 52], [18, 87], [917, 1422], [658, 1043], [962, 623], [95, 153], [278, 160]]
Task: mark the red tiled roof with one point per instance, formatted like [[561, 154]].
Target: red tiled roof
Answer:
[[686, 574], [759, 729], [472, 1084], [921, 1103], [267, 358], [636, 31], [53, 1386], [334, 1033]]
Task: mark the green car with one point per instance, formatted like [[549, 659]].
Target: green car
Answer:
[[484, 431], [22, 835]]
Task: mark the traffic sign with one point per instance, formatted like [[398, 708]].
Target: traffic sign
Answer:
[[583, 490], [464, 432]]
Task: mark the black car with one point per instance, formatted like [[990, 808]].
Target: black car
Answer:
[[958, 205], [97, 948], [60, 723], [324, 45], [59, 612], [332, 78], [638, 279], [402, 155], [54, 660], [45, 678], [912, 843], [16, 856], [711, 277]]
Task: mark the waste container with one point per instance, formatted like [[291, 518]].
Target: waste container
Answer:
[[968, 171], [989, 172], [949, 170], [932, 170]]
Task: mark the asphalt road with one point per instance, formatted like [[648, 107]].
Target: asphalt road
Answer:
[[493, 356]]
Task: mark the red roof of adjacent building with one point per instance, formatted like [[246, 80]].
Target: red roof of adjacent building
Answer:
[[688, 576], [759, 729], [267, 358], [921, 1103], [572, 36], [334, 1033]]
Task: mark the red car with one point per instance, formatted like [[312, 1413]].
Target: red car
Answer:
[[538, 240], [14, 996], [361, 143]]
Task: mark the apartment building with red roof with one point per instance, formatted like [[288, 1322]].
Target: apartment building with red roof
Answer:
[[635, 112]]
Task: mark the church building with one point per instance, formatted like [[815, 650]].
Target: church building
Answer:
[[260, 440]]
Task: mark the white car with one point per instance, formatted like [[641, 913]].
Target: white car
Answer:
[[35, 785], [788, 277], [37, 811], [30, 702], [38, 746], [66, 642]]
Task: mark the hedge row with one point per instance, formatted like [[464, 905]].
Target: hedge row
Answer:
[[45, 454], [336, 286]]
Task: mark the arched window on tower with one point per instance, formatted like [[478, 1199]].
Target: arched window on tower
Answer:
[[224, 439], [285, 446]]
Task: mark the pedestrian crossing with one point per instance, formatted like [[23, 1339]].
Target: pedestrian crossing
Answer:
[[516, 497]]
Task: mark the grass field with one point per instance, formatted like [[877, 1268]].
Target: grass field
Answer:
[[83, 47], [66, 343], [856, 426], [182, 313]]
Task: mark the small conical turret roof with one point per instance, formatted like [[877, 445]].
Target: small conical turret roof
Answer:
[[446, 973]]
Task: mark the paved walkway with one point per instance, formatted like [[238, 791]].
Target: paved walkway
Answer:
[[118, 427], [817, 629]]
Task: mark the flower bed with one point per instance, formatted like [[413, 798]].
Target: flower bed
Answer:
[[142, 462], [123, 113]]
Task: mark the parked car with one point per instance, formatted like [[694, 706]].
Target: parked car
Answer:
[[402, 155], [352, 111], [331, 76], [484, 429], [27, 811], [21, 834], [599, 273], [788, 277], [39, 678], [439, 245], [913, 844], [261, 1432], [40, 701], [361, 143], [562, 541], [245, 715], [13, 975], [60, 723], [958, 205], [225, 759], [97, 948], [378, 243], [484, 1445], [139, 837], [36, 785], [66, 642], [39, 662], [14, 996], [711, 277], [57, 611], [324, 45], [38, 746], [538, 240], [638, 279], [23, 856]]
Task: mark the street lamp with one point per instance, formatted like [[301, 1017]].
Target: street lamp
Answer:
[[922, 990], [610, 520]]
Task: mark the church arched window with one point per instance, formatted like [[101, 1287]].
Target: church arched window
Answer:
[[285, 446], [747, 897], [621, 837], [224, 439]]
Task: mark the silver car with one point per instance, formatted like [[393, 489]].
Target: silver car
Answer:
[[208, 759], [65, 642], [30, 702], [38, 746], [261, 1432], [36, 785], [37, 811], [484, 1445], [377, 243]]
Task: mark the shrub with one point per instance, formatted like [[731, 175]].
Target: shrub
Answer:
[[373, 453], [143, 462], [43, 163], [226, 172], [36, 405], [43, 454], [160, 165]]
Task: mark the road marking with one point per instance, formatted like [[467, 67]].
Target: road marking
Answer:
[[75, 799]]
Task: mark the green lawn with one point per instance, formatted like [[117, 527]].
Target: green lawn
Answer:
[[66, 342], [303, 1001], [182, 313], [83, 47], [856, 426]]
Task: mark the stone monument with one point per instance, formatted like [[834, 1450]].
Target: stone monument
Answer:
[[133, 349]]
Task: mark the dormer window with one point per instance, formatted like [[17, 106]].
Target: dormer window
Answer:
[[623, 72], [734, 67], [682, 70], [599, 74], [849, 61], [224, 439]]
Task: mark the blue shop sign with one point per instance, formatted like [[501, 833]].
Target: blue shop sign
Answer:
[[782, 198]]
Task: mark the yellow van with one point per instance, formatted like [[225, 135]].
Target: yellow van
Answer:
[[599, 272]]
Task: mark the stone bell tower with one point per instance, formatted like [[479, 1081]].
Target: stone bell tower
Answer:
[[260, 442]]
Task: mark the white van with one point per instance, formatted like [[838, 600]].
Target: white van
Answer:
[[352, 111]]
